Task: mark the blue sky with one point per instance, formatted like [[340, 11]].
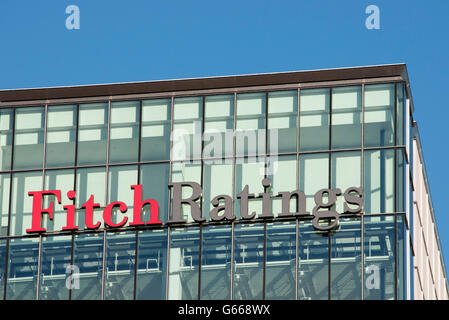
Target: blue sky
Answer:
[[137, 40]]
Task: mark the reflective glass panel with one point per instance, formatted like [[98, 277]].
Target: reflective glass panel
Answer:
[[61, 136], [154, 180], [379, 181], [379, 115], [282, 172], [346, 172], [29, 138], [22, 204], [88, 259], [121, 178], [55, 268], [186, 172], [346, 117], [400, 105], [250, 124], [400, 257], [2, 266], [216, 263], [183, 264], [156, 118], [379, 274], [6, 123], [58, 180], [92, 133], [313, 260], [313, 175], [314, 119], [218, 126], [248, 262], [120, 263], [346, 257], [187, 128], [152, 265], [249, 171], [217, 180], [90, 181], [124, 135], [282, 121], [22, 269], [5, 180], [280, 276]]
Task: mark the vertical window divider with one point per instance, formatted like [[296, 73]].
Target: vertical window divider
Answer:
[[136, 252], [395, 193], [233, 198], [267, 152], [172, 102], [203, 109], [103, 269], [362, 218], [71, 262], [329, 167], [39, 257], [298, 106]]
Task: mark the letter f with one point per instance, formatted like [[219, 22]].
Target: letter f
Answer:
[[38, 211]]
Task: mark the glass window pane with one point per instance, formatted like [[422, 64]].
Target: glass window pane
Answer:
[[5, 180], [282, 172], [92, 133], [346, 172], [379, 258], [90, 181], [314, 119], [400, 257], [346, 268], [6, 122], [119, 269], [58, 180], [248, 261], [251, 172], [313, 175], [183, 264], [346, 117], [400, 180], [313, 259], [154, 180], [186, 172], [379, 181], [121, 178], [152, 265], [400, 114], [2, 266], [216, 263], [156, 118], [22, 204], [29, 138], [88, 258], [124, 135], [187, 128], [218, 126], [217, 180], [282, 121], [61, 136], [55, 268], [280, 261], [22, 269], [250, 124], [379, 115]]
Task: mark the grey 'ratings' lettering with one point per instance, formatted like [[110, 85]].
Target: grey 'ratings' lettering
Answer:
[[73, 20], [373, 20]]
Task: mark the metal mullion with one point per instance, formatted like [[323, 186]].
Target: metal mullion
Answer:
[[395, 195], [136, 253], [71, 262], [298, 97], [103, 268], [296, 258], [329, 274], [39, 258], [362, 218], [201, 198], [233, 198], [172, 103]]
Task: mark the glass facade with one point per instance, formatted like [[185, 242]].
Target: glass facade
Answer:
[[304, 139]]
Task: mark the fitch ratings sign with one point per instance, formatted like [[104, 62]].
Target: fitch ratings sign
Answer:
[[325, 218]]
